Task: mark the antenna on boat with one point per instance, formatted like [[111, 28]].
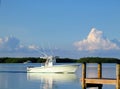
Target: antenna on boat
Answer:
[[43, 51], [51, 51]]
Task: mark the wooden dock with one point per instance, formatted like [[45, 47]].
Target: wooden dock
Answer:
[[99, 81]]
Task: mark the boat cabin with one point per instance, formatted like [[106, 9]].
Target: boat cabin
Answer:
[[50, 61]]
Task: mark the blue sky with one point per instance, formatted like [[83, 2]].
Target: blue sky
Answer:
[[59, 23]]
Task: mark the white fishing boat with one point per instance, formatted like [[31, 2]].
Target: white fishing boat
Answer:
[[50, 67]]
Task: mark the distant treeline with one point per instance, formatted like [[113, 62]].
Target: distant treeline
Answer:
[[34, 60], [98, 60], [60, 60]]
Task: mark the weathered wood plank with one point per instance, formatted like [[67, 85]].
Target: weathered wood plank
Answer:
[[100, 81]]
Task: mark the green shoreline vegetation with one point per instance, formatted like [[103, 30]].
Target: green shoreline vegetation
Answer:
[[60, 60]]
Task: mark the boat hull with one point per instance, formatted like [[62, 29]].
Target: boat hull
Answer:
[[54, 69]]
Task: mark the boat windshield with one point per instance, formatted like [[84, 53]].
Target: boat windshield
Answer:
[[50, 61]]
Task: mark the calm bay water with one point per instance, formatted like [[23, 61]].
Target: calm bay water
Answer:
[[14, 76]]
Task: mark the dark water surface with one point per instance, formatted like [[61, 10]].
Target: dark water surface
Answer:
[[14, 76]]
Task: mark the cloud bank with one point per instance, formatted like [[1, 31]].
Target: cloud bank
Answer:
[[95, 44], [11, 46], [96, 41]]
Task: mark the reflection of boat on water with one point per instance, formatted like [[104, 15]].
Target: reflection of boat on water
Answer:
[[48, 80], [50, 67], [53, 76]]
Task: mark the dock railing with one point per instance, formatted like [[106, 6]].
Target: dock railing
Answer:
[[99, 81]]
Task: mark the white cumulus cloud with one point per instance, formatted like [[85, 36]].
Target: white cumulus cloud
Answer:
[[9, 43], [12, 44], [96, 41], [33, 47]]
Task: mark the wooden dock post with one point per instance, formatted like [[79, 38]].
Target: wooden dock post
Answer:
[[99, 70], [118, 76], [99, 73], [83, 75]]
